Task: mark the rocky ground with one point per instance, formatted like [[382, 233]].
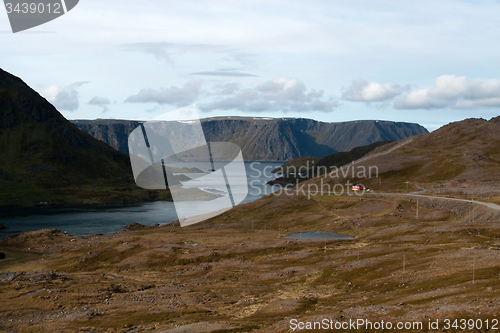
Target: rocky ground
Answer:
[[235, 272]]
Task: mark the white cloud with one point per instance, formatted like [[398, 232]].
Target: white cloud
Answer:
[[283, 94], [66, 98], [482, 103], [101, 102], [177, 96], [364, 91], [171, 52], [50, 92], [455, 92]]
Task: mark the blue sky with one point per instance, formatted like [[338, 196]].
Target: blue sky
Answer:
[[417, 61]]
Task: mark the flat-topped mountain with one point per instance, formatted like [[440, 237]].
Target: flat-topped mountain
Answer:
[[271, 139]]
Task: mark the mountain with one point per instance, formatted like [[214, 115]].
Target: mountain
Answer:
[[113, 132], [271, 139], [461, 157], [46, 158], [303, 168]]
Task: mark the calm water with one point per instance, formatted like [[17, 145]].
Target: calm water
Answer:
[[317, 235], [103, 220]]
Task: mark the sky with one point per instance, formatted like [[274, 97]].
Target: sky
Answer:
[[428, 62]]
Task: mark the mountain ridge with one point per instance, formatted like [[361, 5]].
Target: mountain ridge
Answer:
[[271, 139], [46, 158], [460, 158]]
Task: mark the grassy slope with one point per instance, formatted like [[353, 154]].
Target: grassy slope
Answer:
[[315, 166], [243, 276], [464, 155], [296, 164]]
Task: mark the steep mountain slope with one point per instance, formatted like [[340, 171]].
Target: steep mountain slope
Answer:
[[343, 158], [461, 157], [268, 139], [46, 158], [301, 169], [114, 132]]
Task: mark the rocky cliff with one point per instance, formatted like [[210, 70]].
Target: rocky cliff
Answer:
[[271, 139]]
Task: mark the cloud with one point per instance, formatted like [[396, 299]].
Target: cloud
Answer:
[[453, 91], [101, 102], [177, 96], [169, 52], [63, 99], [282, 94], [368, 92], [50, 92], [224, 73]]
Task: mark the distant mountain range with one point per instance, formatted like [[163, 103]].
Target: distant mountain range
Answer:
[[47, 159], [271, 139]]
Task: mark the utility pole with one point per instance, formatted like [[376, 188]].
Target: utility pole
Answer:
[[472, 210], [407, 182]]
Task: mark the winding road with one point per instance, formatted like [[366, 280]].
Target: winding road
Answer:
[[414, 194], [487, 204]]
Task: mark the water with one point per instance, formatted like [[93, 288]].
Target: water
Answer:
[[34, 291], [105, 220], [317, 235], [6, 276]]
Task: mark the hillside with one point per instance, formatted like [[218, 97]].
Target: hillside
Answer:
[[45, 158], [304, 168], [460, 158], [236, 272], [271, 139], [296, 164]]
